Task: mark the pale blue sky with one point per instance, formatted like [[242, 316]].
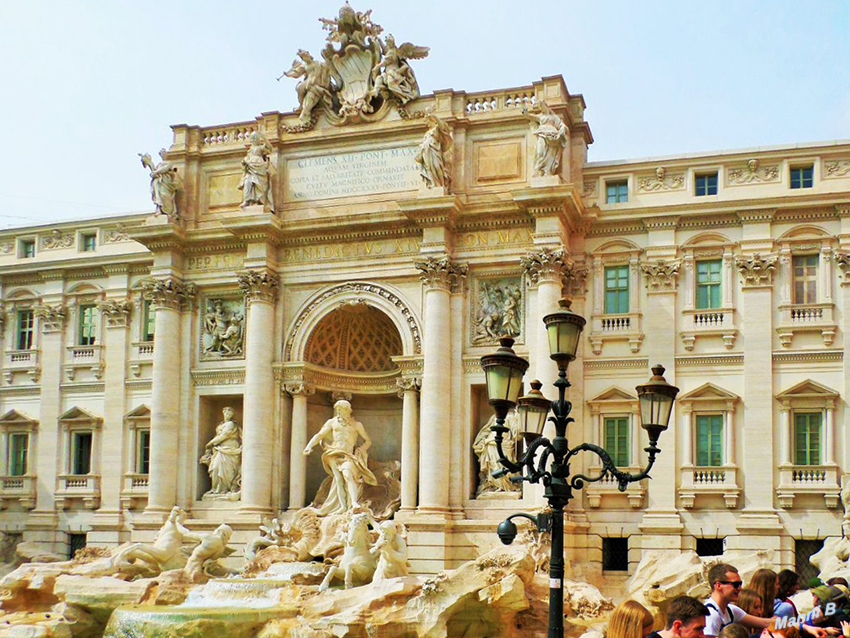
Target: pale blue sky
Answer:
[[89, 84]]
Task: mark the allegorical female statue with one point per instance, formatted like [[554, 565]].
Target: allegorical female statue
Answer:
[[485, 449], [256, 185], [223, 456], [434, 153], [551, 134], [164, 184]]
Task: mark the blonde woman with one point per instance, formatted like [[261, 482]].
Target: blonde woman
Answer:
[[765, 583], [750, 601], [630, 620]]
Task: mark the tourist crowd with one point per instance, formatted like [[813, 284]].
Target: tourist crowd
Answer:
[[763, 609]]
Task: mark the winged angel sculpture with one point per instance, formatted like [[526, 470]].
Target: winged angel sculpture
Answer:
[[360, 74]]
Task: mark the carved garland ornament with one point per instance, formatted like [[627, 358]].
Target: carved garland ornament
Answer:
[[56, 240], [356, 288], [168, 293], [52, 317], [116, 311], [442, 273], [258, 285], [545, 264], [661, 275], [757, 270]]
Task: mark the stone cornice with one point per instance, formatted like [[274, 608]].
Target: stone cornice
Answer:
[[563, 200], [218, 376], [756, 215], [429, 212], [159, 237], [259, 228], [662, 222]]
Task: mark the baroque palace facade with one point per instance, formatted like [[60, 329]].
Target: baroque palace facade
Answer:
[[125, 337]]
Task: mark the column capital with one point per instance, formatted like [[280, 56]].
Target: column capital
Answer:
[[258, 285], [116, 311], [757, 271], [545, 264], [341, 395], [407, 384], [441, 273], [843, 261], [168, 292], [296, 389], [661, 275], [52, 317], [575, 280]]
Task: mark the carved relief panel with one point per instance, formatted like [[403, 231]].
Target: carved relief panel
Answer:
[[222, 326], [498, 309]]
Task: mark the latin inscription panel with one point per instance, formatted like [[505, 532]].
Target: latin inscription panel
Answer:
[[384, 170]]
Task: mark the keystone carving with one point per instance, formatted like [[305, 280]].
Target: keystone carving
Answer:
[[661, 181], [757, 270], [52, 317], [168, 293], [441, 273], [258, 285], [545, 264], [661, 275]]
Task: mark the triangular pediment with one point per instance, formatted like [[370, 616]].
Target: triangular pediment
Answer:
[[709, 391], [140, 412], [807, 388], [13, 416], [78, 414], [613, 394]]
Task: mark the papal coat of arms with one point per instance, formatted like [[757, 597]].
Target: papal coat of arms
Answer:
[[362, 74]]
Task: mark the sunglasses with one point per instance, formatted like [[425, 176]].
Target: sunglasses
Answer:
[[735, 583]]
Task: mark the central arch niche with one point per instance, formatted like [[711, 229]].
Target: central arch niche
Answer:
[[355, 343]]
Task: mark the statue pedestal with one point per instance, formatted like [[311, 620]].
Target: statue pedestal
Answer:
[[543, 181], [256, 209], [435, 191]]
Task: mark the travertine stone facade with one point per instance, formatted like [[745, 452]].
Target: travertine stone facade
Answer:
[[352, 279]]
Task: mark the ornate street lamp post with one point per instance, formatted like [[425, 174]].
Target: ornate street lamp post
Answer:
[[548, 462]]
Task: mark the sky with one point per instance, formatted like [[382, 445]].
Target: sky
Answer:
[[88, 84]]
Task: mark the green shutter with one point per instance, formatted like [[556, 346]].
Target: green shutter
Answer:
[[709, 440], [807, 438], [18, 444], [616, 435], [709, 274], [616, 290]]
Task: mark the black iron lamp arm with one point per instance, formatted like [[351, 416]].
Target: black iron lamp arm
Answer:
[[610, 468]]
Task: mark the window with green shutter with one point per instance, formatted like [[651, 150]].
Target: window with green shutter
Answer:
[[87, 328], [18, 447], [616, 290], [709, 440], [143, 451], [807, 438], [617, 439], [148, 320], [708, 284]]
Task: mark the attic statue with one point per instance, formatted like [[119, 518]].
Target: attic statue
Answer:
[[551, 134], [257, 171], [165, 182]]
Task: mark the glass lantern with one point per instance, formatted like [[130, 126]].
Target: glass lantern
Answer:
[[564, 328], [656, 398]]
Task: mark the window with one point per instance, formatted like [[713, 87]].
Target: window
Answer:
[[25, 329], [143, 451], [807, 438], [706, 184], [28, 248], [86, 333], [616, 290], [802, 176], [709, 440], [18, 449], [617, 440], [708, 284], [88, 242], [148, 320], [710, 546], [806, 279], [803, 550], [615, 554], [617, 192], [76, 542], [81, 444]]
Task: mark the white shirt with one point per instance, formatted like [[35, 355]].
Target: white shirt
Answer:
[[715, 621]]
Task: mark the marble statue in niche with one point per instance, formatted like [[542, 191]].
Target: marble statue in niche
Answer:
[[257, 171], [551, 134], [498, 311], [223, 458], [223, 334], [344, 460], [485, 449], [165, 182]]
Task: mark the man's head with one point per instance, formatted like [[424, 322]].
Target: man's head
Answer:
[[725, 582], [342, 408], [686, 617]]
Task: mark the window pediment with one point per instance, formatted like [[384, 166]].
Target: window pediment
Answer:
[[708, 392], [78, 417], [806, 394], [15, 419], [613, 399]]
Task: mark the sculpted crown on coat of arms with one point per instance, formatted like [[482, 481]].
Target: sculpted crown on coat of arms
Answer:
[[362, 73]]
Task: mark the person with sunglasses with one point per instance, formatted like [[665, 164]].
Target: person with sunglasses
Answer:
[[725, 583]]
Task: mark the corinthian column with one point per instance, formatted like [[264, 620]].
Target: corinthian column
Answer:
[[408, 390], [545, 269], [260, 288], [297, 461], [168, 297], [438, 277]]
